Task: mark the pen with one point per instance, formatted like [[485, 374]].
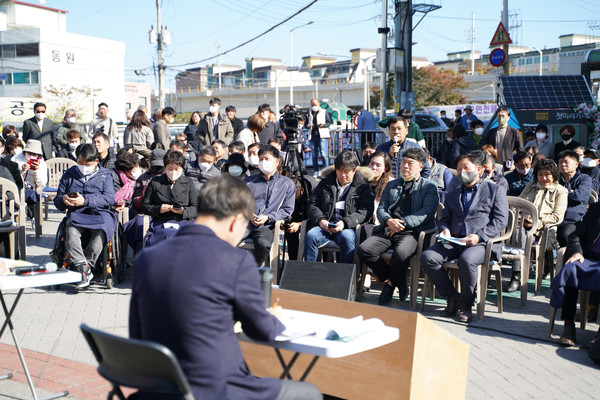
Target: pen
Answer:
[[276, 303]]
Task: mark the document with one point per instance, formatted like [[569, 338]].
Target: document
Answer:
[[443, 238]]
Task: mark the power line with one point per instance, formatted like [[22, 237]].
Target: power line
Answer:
[[250, 40]]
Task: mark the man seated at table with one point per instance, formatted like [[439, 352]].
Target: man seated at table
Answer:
[[341, 201], [475, 212], [86, 191], [195, 321], [408, 206], [274, 195]]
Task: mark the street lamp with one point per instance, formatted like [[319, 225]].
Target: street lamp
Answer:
[[292, 61], [539, 51], [366, 82]]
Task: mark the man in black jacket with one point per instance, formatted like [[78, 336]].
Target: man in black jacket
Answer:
[[339, 203], [237, 123], [40, 128]]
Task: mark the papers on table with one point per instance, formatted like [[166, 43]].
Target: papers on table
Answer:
[[443, 238]]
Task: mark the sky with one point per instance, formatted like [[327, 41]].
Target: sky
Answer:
[[197, 26]]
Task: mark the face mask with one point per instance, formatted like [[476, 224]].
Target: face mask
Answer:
[[580, 160], [502, 121], [540, 135], [523, 171], [478, 131], [174, 175], [27, 157], [40, 116], [467, 177], [450, 140], [213, 109], [86, 169], [253, 160], [136, 173], [73, 146], [566, 138], [315, 108], [204, 166], [71, 120], [266, 166], [235, 170], [589, 162]]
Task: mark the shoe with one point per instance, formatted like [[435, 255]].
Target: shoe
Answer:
[[514, 284], [568, 336], [464, 313], [86, 275], [367, 284], [451, 307], [403, 292], [386, 295], [595, 338]]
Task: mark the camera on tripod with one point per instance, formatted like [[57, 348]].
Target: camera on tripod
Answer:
[[99, 129], [289, 122]]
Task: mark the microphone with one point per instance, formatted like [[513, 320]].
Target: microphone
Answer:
[[48, 267]]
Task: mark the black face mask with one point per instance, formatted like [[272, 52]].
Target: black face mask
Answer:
[[565, 137]]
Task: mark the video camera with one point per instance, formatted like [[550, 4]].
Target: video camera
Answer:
[[99, 129], [289, 122]]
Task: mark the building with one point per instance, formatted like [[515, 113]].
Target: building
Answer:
[[40, 61], [137, 94]]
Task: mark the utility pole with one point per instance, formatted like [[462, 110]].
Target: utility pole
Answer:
[[505, 47], [404, 97], [219, 62], [384, 30], [159, 47], [472, 43]]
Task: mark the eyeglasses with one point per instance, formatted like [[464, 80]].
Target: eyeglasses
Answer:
[[40, 111]]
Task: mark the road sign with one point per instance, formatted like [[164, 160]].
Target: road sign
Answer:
[[3, 77], [501, 36], [497, 57]]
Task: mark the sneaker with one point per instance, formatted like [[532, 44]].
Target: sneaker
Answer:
[[568, 336], [86, 275]]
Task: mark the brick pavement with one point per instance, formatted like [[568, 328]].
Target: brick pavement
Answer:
[[511, 355]]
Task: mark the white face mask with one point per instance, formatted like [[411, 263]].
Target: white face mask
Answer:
[[174, 175], [589, 162], [73, 146], [204, 166], [213, 109], [253, 160], [540, 136], [136, 173], [27, 157], [266, 166], [86, 169], [235, 170], [40, 116], [478, 131], [315, 108], [71, 120]]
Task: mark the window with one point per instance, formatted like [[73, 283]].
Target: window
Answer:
[[8, 51], [22, 78], [425, 122], [128, 106], [34, 77], [28, 50], [142, 101]]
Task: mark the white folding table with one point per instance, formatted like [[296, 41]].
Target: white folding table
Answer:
[[20, 283], [318, 346]]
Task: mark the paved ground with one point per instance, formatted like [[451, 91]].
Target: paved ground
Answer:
[[511, 355]]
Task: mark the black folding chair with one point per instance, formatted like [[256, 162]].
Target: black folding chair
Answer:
[[147, 366]]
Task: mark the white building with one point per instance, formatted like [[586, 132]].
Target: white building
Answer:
[[37, 52]]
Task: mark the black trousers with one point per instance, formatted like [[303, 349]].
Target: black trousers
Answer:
[[569, 306], [403, 245], [563, 232], [262, 238]]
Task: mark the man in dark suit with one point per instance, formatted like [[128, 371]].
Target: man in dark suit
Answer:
[[505, 139], [270, 130], [476, 212], [192, 305], [40, 128], [236, 123]]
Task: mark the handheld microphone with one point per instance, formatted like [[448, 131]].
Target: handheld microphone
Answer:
[[48, 267]]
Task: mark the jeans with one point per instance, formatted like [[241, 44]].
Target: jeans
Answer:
[[74, 246], [316, 238], [319, 148]]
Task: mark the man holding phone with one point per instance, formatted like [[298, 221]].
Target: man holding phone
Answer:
[[341, 201]]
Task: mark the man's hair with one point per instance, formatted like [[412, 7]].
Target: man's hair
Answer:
[[181, 136], [68, 110], [221, 143], [505, 109], [541, 127], [225, 196], [214, 100], [36, 105], [476, 123], [406, 113], [264, 107], [346, 159], [238, 145], [475, 158], [126, 161], [103, 136], [72, 134], [368, 145], [87, 152], [521, 155], [103, 104], [546, 164], [397, 118], [569, 153], [174, 157], [256, 123], [489, 159], [415, 154], [274, 140], [157, 145], [207, 150], [568, 128], [268, 149], [253, 145], [230, 108], [442, 111], [177, 143], [169, 111]]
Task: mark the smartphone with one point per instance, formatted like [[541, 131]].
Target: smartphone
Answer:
[[72, 195], [33, 160], [332, 224], [176, 207]]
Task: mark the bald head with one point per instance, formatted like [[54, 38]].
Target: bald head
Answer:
[[314, 102]]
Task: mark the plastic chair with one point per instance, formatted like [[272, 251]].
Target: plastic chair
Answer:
[[483, 272], [539, 251], [56, 169], [327, 249], [147, 366], [593, 197], [15, 208], [273, 253]]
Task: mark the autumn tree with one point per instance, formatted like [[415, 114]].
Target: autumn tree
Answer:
[[439, 87], [78, 98]]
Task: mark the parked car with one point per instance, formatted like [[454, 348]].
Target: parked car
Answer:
[[433, 129]]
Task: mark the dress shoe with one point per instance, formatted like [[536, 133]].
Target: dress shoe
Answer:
[[514, 284], [403, 292], [386, 295], [568, 336], [595, 338], [451, 307], [464, 313]]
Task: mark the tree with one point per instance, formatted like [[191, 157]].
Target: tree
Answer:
[[434, 86], [78, 98]]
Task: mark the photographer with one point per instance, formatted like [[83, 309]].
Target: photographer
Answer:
[[102, 123]]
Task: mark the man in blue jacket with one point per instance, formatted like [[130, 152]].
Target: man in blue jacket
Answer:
[[522, 174], [274, 195], [475, 212], [87, 192], [397, 145], [189, 290], [408, 206]]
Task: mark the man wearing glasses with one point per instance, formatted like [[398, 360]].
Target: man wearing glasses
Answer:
[[40, 128]]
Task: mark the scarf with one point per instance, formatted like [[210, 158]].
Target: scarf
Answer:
[[126, 190]]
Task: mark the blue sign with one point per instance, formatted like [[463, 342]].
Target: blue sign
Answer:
[[3, 77], [497, 57]]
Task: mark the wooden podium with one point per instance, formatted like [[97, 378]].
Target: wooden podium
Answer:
[[426, 363]]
